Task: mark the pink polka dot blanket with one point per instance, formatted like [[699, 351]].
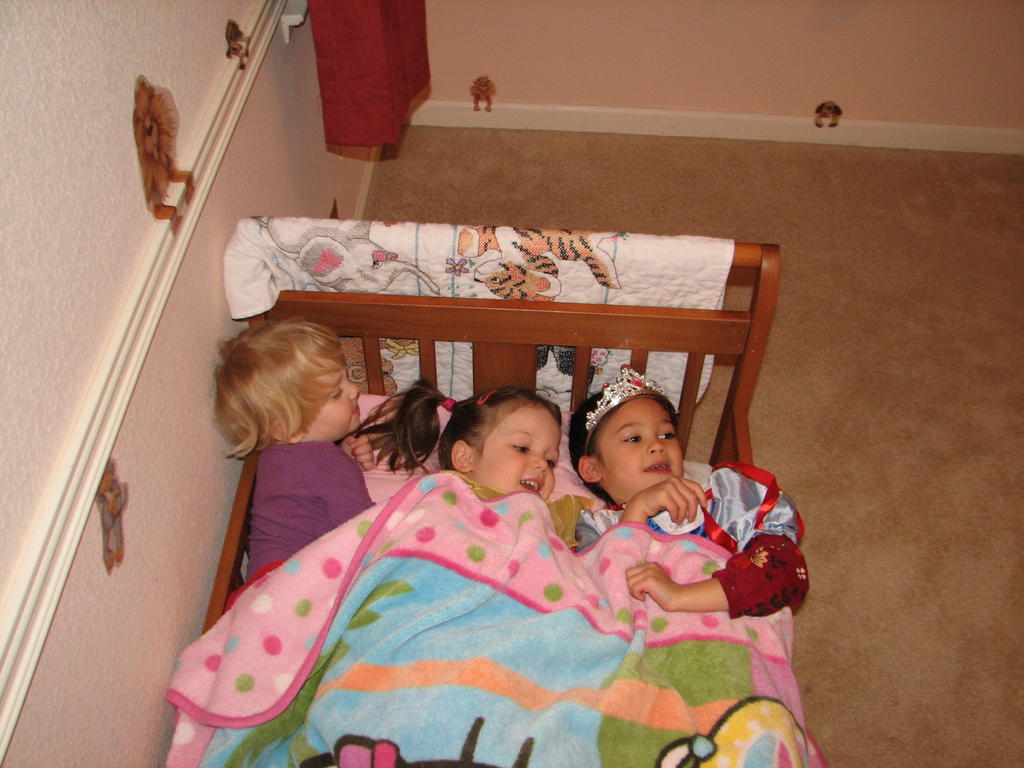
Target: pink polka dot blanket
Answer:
[[439, 629]]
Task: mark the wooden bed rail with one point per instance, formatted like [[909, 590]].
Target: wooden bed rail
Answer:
[[753, 254], [229, 575], [505, 335]]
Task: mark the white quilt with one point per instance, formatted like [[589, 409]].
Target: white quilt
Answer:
[[268, 255]]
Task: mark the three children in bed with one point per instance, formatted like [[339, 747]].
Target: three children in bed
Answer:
[[622, 444]]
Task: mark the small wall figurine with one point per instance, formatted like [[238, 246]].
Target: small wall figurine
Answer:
[[238, 43], [827, 111], [111, 499], [482, 90], [155, 123]]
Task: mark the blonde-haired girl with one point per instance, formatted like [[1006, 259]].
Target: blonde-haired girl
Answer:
[[282, 389]]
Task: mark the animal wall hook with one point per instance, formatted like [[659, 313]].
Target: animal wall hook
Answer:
[[155, 122], [238, 43], [111, 499], [483, 90], [827, 111]]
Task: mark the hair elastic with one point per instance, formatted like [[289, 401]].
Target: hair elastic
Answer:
[[485, 397], [448, 403]]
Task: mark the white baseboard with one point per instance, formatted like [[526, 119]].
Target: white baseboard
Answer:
[[719, 125]]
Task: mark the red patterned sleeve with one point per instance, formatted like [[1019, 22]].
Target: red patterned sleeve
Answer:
[[769, 575]]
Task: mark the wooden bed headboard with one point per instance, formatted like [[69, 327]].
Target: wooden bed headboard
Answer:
[[505, 333]]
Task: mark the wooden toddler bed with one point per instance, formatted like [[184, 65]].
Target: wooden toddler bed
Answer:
[[505, 334], [438, 629]]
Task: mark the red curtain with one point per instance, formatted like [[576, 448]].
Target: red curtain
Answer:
[[371, 58]]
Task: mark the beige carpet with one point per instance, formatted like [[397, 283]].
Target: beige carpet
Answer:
[[890, 404]]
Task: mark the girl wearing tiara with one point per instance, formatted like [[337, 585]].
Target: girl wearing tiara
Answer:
[[623, 445]]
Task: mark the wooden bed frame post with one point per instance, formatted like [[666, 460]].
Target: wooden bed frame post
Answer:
[[236, 540], [732, 442]]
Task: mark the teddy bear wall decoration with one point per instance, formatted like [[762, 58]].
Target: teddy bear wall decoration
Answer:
[[827, 111], [155, 124], [482, 90]]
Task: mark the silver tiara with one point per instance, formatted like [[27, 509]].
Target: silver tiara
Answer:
[[629, 384]]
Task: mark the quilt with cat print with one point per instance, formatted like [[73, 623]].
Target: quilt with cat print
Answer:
[[267, 255]]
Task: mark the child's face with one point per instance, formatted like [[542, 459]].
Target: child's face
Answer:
[[339, 415], [519, 453], [635, 449]]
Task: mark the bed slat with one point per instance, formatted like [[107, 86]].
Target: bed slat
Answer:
[[499, 365], [638, 360], [688, 397], [428, 361], [374, 369], [580, 376]]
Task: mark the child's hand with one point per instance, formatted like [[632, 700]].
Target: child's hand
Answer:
[[359, 448], [700, 596], [681, 497], [651, 579]]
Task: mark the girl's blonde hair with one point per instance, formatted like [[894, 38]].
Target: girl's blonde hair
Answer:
[[268, 385]]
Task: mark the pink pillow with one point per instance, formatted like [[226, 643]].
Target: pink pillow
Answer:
[[382, 483]]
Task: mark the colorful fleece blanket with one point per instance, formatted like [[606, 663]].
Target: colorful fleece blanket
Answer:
[[267, 255], [438, 629]]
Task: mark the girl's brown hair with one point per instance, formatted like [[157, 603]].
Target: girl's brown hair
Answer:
[[405, 428], [268, 383]]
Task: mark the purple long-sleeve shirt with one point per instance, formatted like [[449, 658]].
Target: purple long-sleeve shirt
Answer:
[[303, 490]]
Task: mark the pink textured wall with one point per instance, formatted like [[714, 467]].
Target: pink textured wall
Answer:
[[97, 694], [946, 62]]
